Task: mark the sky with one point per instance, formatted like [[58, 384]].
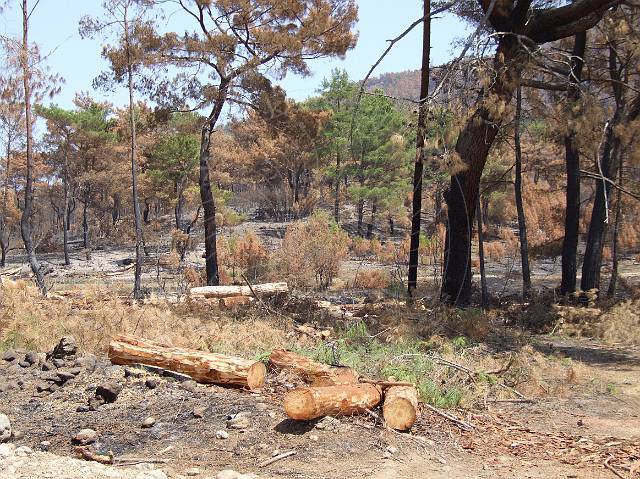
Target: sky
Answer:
[[55, 28]]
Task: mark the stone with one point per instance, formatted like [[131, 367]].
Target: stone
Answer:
[[65, 348], [156, 474], [17, 435], [85, 437], [190, 386], [328, 423], [109, 391], [24, 364], [148, 423], [88, 361], [75, 371], [314, 437], [10, 355], [227, 474], [7, 450], [5, 428], [133, 373], [32, 358], [151, 383], [65, 376], [242, 420], [95, 402], [199, 412], [222, 434], [47, 366], [45, 445], [24, 451], [58, 363], [83, 408], [53, 388], [43, 387], [392, 450], [194, 471]]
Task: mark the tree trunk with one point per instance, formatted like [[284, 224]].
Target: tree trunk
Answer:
[[65, 225], [306, 404], [418, 168], [613, 281], [25, 220], [146, 215], [267, 289], [4, 235], [204, 367], [572, 161], [400, 409], [360, 216], [473, 146], [485, 210], [115, 209], [484, 293], [522, 222], [179, 207], [372, 220], [336, 203], [85, 223], [317, 374]]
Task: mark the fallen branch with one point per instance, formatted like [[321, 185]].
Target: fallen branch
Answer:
[[613, 469], [277, 458], [461, 424], [86, 453], [386, 384]]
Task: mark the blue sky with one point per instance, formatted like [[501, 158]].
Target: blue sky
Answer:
[[55, 29]]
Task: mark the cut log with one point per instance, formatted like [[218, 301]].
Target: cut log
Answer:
[[267, 289], [317, 374], [235, 301], [400, 408], [208, 368], [305, 404]]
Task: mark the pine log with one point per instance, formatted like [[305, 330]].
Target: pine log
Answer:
[[235, 301], [317, 374], [400, 409], [208, 368], [305, 404], [267, 289]]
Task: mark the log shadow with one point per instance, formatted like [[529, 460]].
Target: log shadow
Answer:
[[296, 428]]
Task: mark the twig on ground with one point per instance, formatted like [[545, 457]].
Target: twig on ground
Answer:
[[458, 422], [277, 458], [613, 469], [86, 453], [386, 384]]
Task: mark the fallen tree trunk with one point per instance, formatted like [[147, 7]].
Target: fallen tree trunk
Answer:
[[208, 368], [310, 403], [317, 374], [267, 289], [400, 409]]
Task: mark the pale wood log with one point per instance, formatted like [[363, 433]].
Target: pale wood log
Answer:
[[208, 368], [311, 403], [318, 374], [267, 289], [400, 409], [235, 301]]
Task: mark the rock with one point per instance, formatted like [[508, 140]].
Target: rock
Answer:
[[53, 388], [32, 358], [7, 450], [43, 387], [190, 386], [47, 366], [157, 474], [10, 355], [149, 422], [5, 428], [329, 424], [24, 364], [133, 373], [314, 437], [88, 361], [242, 420], [65, 376], [227, 474], [44, 445], [17, 435], [222, 434], [24, 451], [392, 450], [199, 412], [95, 402], [85, 437], [65, 348], [83, 408], [75, 371], [194, 471], [58, 363], [109, 391], [151, 383]]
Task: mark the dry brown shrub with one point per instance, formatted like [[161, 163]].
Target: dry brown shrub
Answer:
[[311, 252], [372, 279], [195, 277], [29, 321], [249, 254], [361, 247]]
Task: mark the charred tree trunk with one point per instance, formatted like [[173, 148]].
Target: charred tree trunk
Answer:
[[65, 188], [522, 222], [613, 282], [4, 234], [179, 207], [572, 161], [85, 223], [372, 219], [115, 209], [206, 193], [360, 216], [25, 220], [483, 275], [336, 202], [146, 215], [485, 210], [418, 168], [473, 146]]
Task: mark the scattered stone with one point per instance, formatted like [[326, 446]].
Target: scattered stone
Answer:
[[47, 366], [108, 391], [85, 437], [43, 387], [32, 358], [199, 412], [58, 363], [194, 471], [133, 373], [328, 423], [24, 451], [75, 371], [222, 434], [314, 437], [149, 422], [7, 450], [392, 450], [44, 445], [5, 428], [65, 376], [24, 364], [83, 408], [151, 383], [17, 435], [88, 361], [10, 355], [157, 474], [53, 388], [66, 347], [190, 386], [242, 420], [95, 402]]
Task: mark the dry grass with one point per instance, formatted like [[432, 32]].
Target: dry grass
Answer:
[[28, 321], [372, 279]]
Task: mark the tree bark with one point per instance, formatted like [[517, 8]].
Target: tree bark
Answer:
[[65, 188], [25, 220], [473, 146], [484, 293], [617, 225], [572, 161], [418, 167], [400, 409], [317, 374], [306, 404], [204, 367], [522, 222], [360, 216], [372, 219]]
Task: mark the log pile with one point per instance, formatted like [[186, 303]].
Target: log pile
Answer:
[[338, 391], [208, 368]]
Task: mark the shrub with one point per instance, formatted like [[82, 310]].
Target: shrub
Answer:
[[250, 254], [312, 251], [372, 279]]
